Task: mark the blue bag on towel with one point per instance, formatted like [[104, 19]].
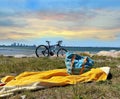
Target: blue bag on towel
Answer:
[[77, 64]]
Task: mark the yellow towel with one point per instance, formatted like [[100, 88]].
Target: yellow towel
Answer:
[[55, 77], [43, 79]]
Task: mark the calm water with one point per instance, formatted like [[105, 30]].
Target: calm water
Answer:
[[93, 49], [30, 51]]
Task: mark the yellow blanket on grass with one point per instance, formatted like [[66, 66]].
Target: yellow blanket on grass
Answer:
[[44, 79]]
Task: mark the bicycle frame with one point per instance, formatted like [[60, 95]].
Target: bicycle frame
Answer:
[[58, 45]]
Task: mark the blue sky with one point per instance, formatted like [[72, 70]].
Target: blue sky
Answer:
[[76, 22]]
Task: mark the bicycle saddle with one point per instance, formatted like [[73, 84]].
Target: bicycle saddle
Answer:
[[60, 41], [48, 41]]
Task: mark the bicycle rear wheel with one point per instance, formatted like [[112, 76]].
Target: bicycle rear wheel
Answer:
[[61, 52], [42, 51]]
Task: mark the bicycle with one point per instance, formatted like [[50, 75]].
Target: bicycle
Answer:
[[50, 50]]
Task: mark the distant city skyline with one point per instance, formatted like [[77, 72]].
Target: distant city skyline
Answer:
[[18, 45], [15, 44], [94, 23]]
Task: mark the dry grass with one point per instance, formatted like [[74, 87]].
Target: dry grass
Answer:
[[109, 89]]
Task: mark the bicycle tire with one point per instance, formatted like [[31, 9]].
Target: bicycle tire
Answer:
[[61, 52], [41, 51]]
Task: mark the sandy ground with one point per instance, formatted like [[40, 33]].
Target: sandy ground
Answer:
[[111, 53]]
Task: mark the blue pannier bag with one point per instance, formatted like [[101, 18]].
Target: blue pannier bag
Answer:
[[77, 64]]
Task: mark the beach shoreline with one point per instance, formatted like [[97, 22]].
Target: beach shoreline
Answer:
[[111, 53]]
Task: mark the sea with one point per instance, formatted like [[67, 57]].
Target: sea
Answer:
[[30, 50]]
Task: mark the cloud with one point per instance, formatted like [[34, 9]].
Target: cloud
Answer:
[[12, 19], [11, 23], [16, 35], [90, 18], [101, 24], [105, 19], [81, 24]]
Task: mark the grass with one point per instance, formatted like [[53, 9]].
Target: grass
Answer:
[[109, 89]]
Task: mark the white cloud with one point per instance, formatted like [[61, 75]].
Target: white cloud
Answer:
[[102, 24], [105, 19]]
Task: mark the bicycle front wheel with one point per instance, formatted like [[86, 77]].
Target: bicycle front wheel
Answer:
[[61, 52], [42, 51]]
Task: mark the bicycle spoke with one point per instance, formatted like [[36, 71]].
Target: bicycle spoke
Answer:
[[61, 53], [42, 51]]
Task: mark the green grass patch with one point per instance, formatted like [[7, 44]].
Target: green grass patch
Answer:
[[109, 89]]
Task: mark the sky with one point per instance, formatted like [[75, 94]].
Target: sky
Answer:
[[91, 23]]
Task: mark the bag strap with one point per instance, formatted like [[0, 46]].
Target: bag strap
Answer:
[[83, 65], [72, 62]]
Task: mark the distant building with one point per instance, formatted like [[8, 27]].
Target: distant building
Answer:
[[21, 45], [14, 44]]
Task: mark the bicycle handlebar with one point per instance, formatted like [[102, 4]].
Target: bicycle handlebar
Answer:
[[57, 42]]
